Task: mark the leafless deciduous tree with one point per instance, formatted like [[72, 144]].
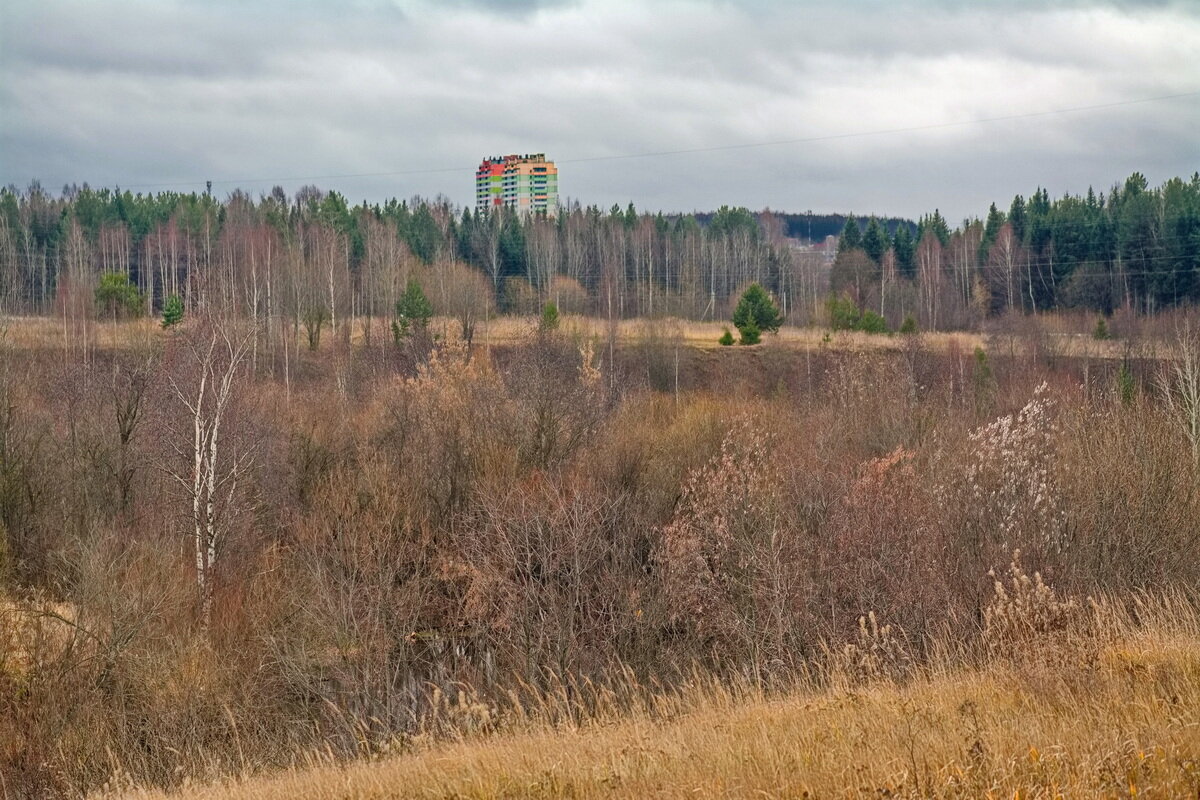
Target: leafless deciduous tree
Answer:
[[215, 462], [1005, 267]]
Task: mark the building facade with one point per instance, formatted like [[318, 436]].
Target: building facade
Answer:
[[527, 184]]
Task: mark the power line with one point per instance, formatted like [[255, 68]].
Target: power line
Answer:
[[698, 150]]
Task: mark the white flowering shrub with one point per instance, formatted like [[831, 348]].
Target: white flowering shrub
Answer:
[[1010, 484]]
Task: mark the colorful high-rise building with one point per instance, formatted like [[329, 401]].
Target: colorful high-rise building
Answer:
[[527, 184]]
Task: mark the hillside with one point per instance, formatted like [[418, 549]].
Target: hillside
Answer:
[[1106, 716]]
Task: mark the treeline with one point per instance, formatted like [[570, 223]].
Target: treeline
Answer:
[[314, 257], [1137, 248]]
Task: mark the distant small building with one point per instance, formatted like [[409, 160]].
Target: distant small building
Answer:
[[527, 184]]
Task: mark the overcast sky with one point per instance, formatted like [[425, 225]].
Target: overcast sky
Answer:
[[254, 94]]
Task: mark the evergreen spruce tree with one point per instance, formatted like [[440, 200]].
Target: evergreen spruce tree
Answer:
[[851, 236], [906, 250], [875, 240], [991, 228]]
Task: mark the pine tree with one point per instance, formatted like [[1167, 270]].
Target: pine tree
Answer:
[[750, 334], [756, 311], [413, 311], [172, 311]]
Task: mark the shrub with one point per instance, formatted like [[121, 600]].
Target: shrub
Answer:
[[909, 325], [172, 311], [726, 338], [116, 297], [843, 314], [549, 319], [1008, 495], [517, 296], [870, 322], [710, 555], [1126, 384], [1100, 333]]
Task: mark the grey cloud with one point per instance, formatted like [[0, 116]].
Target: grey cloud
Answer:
[[147, 94], [517, 7]]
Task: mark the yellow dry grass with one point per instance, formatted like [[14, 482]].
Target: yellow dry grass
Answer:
[[507, 330], [49, 332], [1125, 724]]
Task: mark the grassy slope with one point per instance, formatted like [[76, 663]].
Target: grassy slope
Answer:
[[1123, 722]]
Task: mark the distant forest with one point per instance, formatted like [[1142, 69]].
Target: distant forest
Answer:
[[815, 227], [1136, 247], [313, 255]]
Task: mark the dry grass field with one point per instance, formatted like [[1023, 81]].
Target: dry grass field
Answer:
[[1052, 331], [1114, 712]]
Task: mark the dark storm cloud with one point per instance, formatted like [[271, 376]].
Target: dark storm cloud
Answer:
[[152, 93]]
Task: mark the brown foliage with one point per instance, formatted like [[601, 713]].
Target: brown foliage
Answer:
[[541, 525]]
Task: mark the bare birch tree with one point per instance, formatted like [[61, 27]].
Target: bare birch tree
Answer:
[[216, 462]]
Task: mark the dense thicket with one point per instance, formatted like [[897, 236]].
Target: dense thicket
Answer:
[[369, 528]]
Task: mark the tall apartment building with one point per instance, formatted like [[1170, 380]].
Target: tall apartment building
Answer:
[[527, 184]]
